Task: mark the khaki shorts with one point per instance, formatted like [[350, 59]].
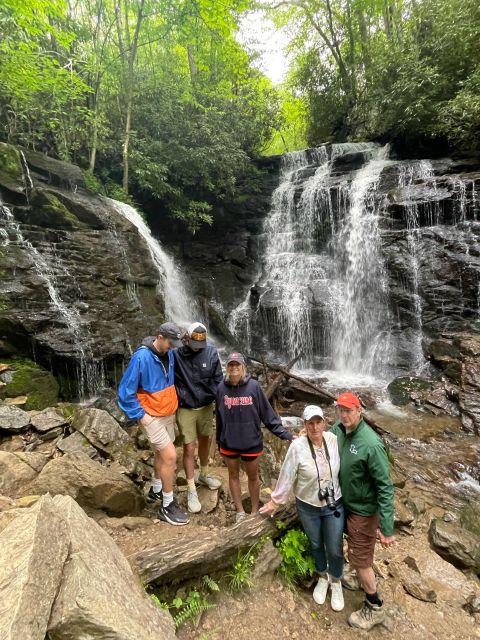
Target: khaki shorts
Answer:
[[362, 536], [160, 431], [195, 422]]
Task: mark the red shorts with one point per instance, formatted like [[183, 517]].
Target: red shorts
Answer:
[[246, 457]]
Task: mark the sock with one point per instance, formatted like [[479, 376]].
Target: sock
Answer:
[[157, 485], [374, 598], [167, 498], [203, 470], [332, 579], [322, 574], [191, 485]]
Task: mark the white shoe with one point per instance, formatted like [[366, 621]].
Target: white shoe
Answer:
[[336, 602], [240, 516], [320, 591], [193, 502], [209, 481]]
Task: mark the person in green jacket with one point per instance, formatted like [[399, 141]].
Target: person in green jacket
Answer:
[[368, 498]]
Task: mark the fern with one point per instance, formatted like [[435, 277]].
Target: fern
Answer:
[[211, 584], [297, 560]]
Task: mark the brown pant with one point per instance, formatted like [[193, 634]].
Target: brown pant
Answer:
[[362, 536]]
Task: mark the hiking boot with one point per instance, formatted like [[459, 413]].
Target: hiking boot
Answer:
[[193, 502], [173, 514], [240, 516], [351, 582], [209, 481], [320, 591], [152, 496], [336, 601], [367, 617]]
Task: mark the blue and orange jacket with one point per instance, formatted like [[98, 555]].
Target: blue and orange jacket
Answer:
[[146, 386]]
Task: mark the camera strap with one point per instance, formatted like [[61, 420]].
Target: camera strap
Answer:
[[327, 455]]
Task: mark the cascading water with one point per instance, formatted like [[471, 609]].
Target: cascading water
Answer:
[[90, 372], [179, 306], [360, 319]]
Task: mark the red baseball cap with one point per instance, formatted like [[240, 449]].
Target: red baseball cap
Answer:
[[348, 400]]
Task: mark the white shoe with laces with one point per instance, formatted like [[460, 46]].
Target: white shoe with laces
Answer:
[[193, 502], [337, 603], [320, 591]]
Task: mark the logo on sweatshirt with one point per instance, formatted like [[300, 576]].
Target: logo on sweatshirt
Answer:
[[353, 449], [237, 401]]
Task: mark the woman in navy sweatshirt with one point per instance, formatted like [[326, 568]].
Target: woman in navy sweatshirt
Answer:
[[241, 408]]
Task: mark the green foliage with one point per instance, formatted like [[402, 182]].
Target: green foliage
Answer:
[[193, 604], [297, 560], [239, 577]]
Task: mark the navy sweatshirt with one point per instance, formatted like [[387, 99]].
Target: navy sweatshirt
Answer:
[[197, 376], [240, 411]]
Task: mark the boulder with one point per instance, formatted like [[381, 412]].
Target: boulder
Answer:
[[77, 443], [403, 514], [401, 388], [412, 581], [456, 545], [267, 561], [13, 418], [89, 483], [99, 596], [104, 433], [33, 550], [28, 379], [11, 170], [48, 419], [18, 470]]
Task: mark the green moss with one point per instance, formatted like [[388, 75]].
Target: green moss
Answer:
[[10, 163], [470, 518], [47, 211], [29, 379]]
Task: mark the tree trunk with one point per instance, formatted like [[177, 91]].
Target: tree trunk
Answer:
[[192, 556]]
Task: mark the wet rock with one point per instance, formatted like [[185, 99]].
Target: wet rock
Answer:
[[99, 596], [401, 388], [89, 483], [51, 435], [11, 170], [18, 470], [454, 544], [13, 419], [33, 550], [48, 419]]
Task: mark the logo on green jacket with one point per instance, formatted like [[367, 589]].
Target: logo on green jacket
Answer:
[[353, 449]]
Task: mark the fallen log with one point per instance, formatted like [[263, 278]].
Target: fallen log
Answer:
[[195, 555], [273, 386], [323, 393]]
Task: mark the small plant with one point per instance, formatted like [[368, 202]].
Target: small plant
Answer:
[[194, 605], [240, 575], [297, 560], [158, 602]]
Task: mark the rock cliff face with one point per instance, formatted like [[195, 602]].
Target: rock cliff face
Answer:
[[78, 287]]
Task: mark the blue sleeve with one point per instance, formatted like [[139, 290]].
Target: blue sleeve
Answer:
[[127, 390], [269, 417], [218, 415], [218, 373]]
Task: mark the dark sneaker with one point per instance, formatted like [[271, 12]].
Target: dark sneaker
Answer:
[[153, 497], [173, 514]]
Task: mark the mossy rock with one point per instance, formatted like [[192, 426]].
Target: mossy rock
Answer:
[[401, 388], [28, 379], [11, 170], [470, 518], [46, 210]]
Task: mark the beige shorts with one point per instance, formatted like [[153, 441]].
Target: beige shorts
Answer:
[[160, 431], [195, 422]]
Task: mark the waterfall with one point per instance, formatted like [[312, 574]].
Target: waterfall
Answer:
[[90, 373], [360, 317], [179, 306]]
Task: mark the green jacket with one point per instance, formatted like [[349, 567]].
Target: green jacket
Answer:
[[365, 474]]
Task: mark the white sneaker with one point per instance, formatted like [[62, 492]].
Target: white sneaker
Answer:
[[320, 591], [209, 481], [240, 516], [336, 602], [193, 502]]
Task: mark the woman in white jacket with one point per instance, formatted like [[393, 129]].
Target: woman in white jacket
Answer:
[[310, 470]]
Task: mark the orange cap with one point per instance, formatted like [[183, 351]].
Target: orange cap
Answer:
[[348, 400]]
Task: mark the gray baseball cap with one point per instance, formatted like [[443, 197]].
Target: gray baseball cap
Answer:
[[172, 332]]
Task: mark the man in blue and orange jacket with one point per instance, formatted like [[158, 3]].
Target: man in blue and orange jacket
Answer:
[[147, 394]]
